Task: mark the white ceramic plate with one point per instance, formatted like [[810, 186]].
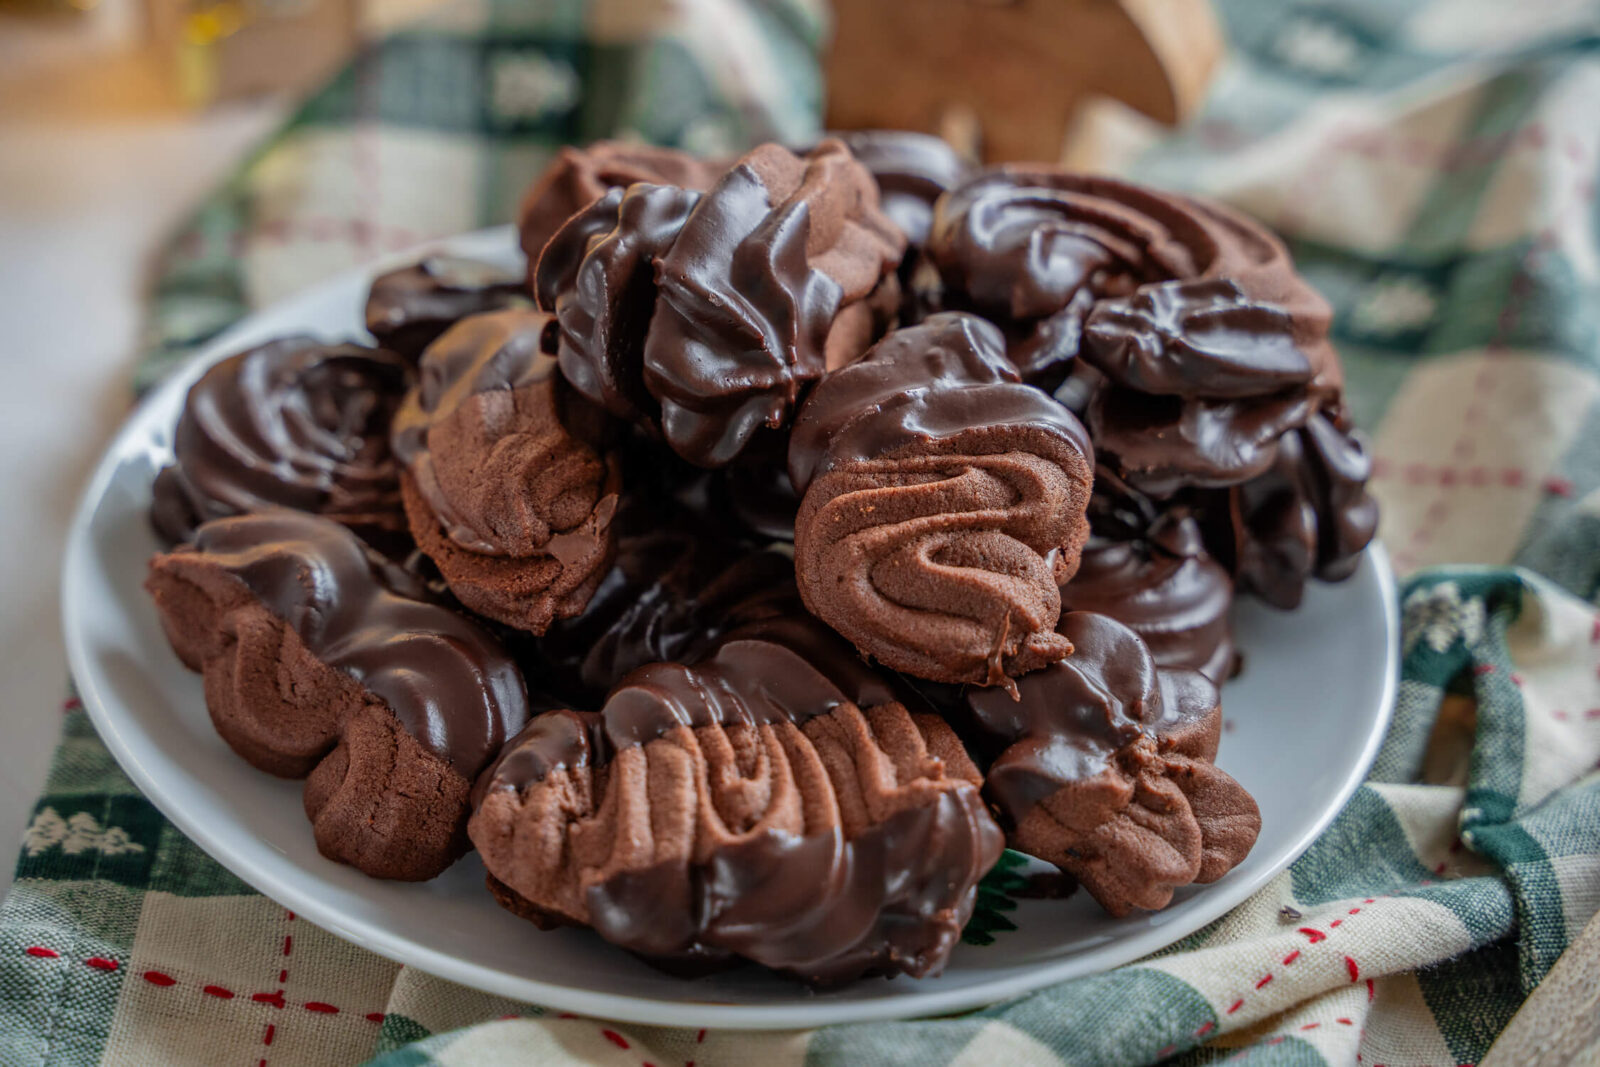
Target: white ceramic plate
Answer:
[[1303, 723]]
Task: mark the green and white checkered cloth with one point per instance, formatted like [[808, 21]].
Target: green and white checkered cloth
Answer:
[[1433, 165]]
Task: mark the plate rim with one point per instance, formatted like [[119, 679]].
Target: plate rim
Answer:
[[79, 553]]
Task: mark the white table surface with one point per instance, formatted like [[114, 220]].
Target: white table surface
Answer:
[[85, 201]]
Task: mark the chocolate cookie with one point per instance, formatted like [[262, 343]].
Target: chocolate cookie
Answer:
[[579, 176], [944, 504], [1210, 344], [912, 171], [704, 316], [506, 484], [1166, 588], [410, 307], [1308, 515], [774, 802], [1104, 768], [323, 661], [1147, 566], [292, 423]]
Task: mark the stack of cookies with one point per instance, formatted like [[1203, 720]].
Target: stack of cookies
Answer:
[[793, 535]]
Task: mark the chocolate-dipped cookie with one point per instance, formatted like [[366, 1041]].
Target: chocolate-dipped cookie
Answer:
[[579, 176], [1165, 587], [323, 661], [1308, 516], [410, 307], [506, 484], [1211, 345], [774, 802], [292, 423], [1104, 768], [943, 505], [705, 316], [912, 171], [1146, 564]]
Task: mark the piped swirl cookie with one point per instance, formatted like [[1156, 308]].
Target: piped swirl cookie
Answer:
[[407, 309], [943, 505], [1209, 344], [291, 423], [704, 316], [775, 801], [1104, 768], [577, 177], [506, 481], [1308, 516], [323, 661]]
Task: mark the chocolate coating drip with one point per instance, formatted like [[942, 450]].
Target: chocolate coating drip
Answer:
[[1309, 515], [771, 802], [577, 177], [749, 292], [598, 275], [943, 505], [912, 171], [1103, 766], [407, 309], [702, 317], [446, 678], [1167, 589], [506, 488], [291, 423]]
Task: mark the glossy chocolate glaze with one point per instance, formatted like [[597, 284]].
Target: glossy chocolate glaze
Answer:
[[410, 307], [912, 171], [597, 275], [1072, 716], [675, 588], [1310, 514], [781, 669], [446, 678], [1166, 588], [749, 292], [825, 907], [292, 423], [932, 382], [577, 177]]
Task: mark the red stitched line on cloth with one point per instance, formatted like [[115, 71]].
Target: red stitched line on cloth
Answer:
[[1477, 475], [1315, 936], [162, 980], [614, 1037], [1476, 151], [72, 704], [1467, 442]]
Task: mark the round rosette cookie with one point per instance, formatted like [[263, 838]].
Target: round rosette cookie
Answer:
[[291, 423]]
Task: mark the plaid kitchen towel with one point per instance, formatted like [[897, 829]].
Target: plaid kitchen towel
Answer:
[[1433, 165]]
